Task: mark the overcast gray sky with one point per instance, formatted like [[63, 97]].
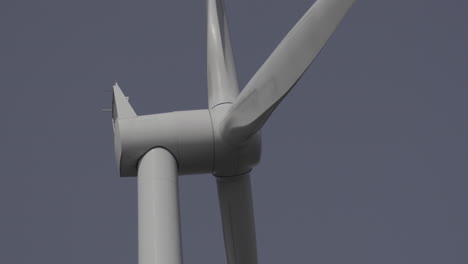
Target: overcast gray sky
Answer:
[[364, 162]]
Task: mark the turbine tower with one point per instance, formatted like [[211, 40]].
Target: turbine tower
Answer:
[[223, 140]]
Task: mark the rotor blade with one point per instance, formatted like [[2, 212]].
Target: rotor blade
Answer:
[[121, 108], [222, 77], [235, 201], [282, 69]]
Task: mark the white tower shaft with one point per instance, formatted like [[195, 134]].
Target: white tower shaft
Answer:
[[158, 209]]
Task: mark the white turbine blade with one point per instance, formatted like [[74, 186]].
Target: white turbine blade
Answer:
[[282, 69], [121, 108], [235, 201], [222, 77]]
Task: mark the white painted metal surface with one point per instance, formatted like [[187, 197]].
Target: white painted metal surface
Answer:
[[159, 238], [188, 135]]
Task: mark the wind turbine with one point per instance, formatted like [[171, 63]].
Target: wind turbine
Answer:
[[223, 140]]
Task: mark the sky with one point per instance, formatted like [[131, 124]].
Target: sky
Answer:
[[365, 161]]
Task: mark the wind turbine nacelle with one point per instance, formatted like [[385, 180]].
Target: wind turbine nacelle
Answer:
[[188, 135], [192, 137]]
